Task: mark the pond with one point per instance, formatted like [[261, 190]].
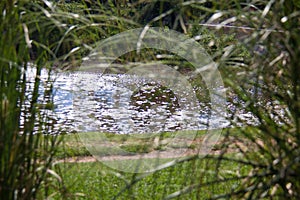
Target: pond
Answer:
[[123, 104]]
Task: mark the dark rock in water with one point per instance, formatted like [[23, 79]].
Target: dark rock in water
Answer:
[[152, 105], [152, 95]]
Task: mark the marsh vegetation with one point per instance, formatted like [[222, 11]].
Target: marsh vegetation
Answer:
[[256, 47]]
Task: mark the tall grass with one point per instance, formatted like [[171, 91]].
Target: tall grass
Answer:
[[274, 146], [25, 156], [267, 84], [30, 37], [43, 36]]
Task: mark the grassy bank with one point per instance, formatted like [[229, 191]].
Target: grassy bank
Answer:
[[95, 180], [73, 145], [190, 178]]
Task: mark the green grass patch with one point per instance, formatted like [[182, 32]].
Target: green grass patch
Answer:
[[97, 181], [71, 146], [76, 145]]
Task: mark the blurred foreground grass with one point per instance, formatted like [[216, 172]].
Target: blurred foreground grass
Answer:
[[97, 181]]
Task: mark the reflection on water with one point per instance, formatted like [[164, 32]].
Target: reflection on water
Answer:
[[105, 103], [110, 103]]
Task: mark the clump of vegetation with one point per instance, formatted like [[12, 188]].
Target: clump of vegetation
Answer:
[[268, 87], [25, 155]]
